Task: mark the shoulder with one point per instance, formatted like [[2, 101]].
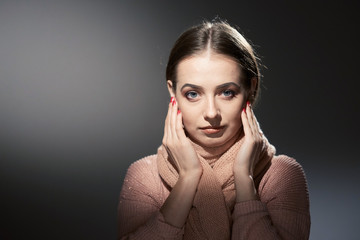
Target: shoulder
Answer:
[[143, 167], [285, 168], [142, 182], [285, 175], [283, 164], [145, 162]]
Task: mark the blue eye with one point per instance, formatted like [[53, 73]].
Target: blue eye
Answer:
[[228, 93], [191, 95]]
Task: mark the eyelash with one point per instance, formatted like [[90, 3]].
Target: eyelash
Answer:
[[187, 94], [232, 92]]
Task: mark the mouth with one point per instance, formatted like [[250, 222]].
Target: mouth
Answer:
[[212, 129]]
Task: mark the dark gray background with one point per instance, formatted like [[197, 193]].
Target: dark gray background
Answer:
[[82, 96]]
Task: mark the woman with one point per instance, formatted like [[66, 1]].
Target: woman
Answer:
[[215, 176]]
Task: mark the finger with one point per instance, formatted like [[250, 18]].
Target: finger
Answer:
[[179, 126], [256, 129], [167, 132], [173, 116], [166, 127], [249, 116], [258, 125], [245, 123], [255, 123]]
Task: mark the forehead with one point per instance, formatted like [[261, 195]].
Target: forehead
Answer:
[[208, 69]]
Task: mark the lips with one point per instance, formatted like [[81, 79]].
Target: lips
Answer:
[[212, 129]]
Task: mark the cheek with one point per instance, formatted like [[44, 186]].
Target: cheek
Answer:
[[188, 118], [191, 115], [235, 116], [234, 109]]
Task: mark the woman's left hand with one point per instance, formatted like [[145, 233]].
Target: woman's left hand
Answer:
[[249, 152], [247, 157]]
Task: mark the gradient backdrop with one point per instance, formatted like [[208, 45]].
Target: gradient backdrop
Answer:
[[83, 95]]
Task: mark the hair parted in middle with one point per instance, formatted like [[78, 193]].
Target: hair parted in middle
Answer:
[[221, 38]]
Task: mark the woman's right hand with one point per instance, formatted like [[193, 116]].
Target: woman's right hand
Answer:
[[178, 204], [178, 145]]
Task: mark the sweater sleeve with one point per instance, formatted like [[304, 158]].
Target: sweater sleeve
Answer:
[[139, 215], [283, 209]]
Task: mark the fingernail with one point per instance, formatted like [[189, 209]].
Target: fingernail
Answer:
[[244, 110], [173, 103], [179, 111], [171, 99], [248, 103]]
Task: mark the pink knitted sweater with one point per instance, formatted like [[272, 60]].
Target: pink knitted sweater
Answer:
[[281, 213]]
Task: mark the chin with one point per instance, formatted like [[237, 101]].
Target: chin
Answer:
[[211, 141]]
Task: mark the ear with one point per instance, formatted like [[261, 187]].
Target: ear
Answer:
[[254, 83], [170, 88], [250, 93]]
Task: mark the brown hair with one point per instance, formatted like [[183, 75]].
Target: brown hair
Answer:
[[221, 38]]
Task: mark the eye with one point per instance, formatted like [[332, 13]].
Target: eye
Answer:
[[191, 95], [228, 93]]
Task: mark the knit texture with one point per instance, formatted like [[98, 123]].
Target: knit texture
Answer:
[[210, 215], [281, 213]]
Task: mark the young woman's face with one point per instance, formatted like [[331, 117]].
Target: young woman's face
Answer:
[[211, 97]]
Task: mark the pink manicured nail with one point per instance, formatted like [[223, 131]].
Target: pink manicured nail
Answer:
[[248, 103], [179, 111], [173, 103], [171, 99], [244, 110]]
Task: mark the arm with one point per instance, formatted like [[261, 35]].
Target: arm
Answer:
[[139, 215], [283, 209]]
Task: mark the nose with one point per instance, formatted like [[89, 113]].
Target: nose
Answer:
[[211, 109]]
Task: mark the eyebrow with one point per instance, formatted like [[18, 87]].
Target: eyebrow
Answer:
[[224, 85]]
